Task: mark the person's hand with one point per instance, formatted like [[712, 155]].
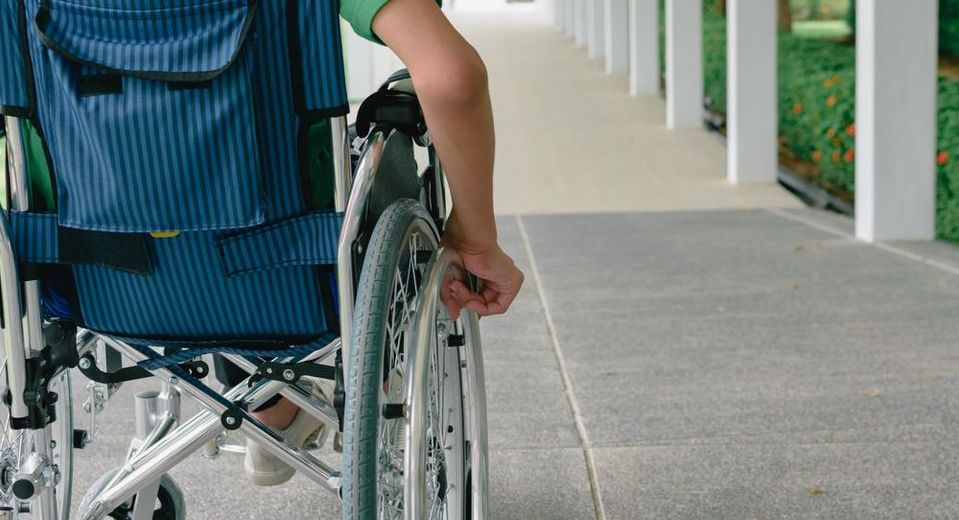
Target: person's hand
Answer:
[[499, 278]]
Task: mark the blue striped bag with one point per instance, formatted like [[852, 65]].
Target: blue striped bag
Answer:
[[179, 115]]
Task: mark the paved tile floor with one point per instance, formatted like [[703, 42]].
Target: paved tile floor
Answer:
[[730, 364], [678, 352]]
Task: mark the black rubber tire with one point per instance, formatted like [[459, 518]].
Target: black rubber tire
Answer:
[[365, 378]]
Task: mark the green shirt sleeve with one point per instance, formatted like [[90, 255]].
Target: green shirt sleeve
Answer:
[[360, 14]]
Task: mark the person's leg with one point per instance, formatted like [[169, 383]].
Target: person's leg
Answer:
[[262, 467], [277, 412]]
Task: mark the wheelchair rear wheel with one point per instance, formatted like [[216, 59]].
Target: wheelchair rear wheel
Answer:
[[24, 492], [377, 426]]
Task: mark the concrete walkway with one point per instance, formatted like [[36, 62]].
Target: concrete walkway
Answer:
[[571, 139], [684, 348]]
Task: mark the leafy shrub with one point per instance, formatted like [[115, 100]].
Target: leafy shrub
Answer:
[[947, 160], [817, 108]]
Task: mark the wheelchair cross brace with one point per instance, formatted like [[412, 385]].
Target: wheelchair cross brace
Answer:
[[151, 463]]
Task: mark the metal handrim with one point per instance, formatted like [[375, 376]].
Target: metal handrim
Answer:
[[442, 433]]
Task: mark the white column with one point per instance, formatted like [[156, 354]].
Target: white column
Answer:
[[896, 60], [684, 63], [580, 21], [644, 73], [571, 18], [597, 26], [559, 13], [617, 36], [752, 91]]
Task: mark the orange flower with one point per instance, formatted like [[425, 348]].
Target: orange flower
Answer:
[[851, 130], [942, 158], [850, 156], [836, 157], [836, 143], [817, 156], [797, 108], [831, 101], [836, 79], [826, 83], [831, 133]]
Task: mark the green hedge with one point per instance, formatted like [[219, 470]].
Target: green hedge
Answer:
[[817, 108], [817, 84]]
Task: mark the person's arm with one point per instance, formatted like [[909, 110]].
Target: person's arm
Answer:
[[451, 83]]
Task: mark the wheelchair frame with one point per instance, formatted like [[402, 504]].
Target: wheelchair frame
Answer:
[[161, 442]]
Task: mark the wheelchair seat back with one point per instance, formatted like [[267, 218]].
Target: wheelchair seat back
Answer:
[[181, 137]]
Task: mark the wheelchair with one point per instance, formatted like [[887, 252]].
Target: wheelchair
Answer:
[[101, 284]]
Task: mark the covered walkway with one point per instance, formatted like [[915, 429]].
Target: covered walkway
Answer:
[[684, 348]]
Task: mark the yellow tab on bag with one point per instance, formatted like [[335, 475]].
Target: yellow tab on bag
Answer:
[[164, 234]]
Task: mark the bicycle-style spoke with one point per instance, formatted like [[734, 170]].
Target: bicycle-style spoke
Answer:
[[397, 268], [392, 436]]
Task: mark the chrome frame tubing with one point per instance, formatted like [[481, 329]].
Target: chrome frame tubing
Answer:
[[440, 181], [23, 334], [20, 201], [418, 401], [149, 464], [155, 415], [13, 338], [354, 210]]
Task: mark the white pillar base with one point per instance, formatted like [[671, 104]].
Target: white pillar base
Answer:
[[897, 54], [597, 28], [644, 74], [580, 21], [684, 64], [752, 91], [617, 36]]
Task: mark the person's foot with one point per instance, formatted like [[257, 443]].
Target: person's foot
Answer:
[[265, 469]]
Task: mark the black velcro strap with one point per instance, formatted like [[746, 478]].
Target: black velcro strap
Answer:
[[9, 110], [190, 85], [99, 85], [123, 251]]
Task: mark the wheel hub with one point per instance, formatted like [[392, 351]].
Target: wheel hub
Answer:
[[8, 468]]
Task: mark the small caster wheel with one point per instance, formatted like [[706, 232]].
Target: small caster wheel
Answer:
[[170, 504]]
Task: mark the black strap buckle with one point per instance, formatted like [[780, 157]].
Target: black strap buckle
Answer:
[[88, 367], [292, 372]]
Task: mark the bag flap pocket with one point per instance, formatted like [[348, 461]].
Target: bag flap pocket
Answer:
[[173, 41]]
